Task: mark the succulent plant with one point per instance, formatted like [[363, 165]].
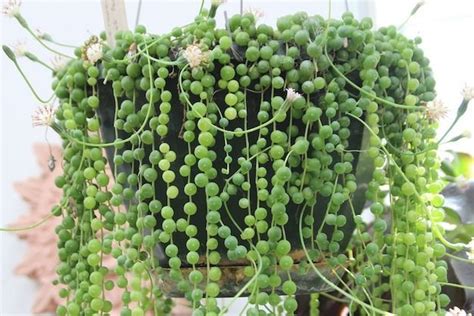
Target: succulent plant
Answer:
[[241, 158]]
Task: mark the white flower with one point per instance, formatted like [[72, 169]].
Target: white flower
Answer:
[[195, 56], [11, 8], [456, 311], [468, 93], [257, 13], [19, 49], [470, 250], [292, 95], [58, 63], [217, 3], [435, 110], [466, 133], [94, 52], [44, 115]]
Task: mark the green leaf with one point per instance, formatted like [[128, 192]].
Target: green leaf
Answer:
[[452, 216], [448, 169], [463, 234], [462, 164]]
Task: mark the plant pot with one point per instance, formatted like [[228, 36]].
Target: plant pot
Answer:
[[233, 278]]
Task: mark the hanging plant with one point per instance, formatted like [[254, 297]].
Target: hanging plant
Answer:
[[241, 159]]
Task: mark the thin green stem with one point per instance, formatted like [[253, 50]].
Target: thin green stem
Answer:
[[35, 59], [329, 205], [461, 110], [366, 93], [244, 288], [434, 226], [284, 108], [466, 287], [201, 7], [23, 23], [26, 228], [60, 44], [412, 13], [350, 82], [163, 61], [334, 298], [459, 258], [124, 141], [330, 283], [31, 86]]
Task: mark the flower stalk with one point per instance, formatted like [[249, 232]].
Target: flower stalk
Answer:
[[11, 55]]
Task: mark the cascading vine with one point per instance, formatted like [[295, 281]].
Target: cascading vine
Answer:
[[236, 161]]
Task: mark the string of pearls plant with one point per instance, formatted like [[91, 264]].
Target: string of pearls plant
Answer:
[[237, 146]]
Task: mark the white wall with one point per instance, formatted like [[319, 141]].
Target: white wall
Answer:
[[74, 21]]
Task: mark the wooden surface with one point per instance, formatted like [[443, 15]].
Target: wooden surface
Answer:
[[115, 18]]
